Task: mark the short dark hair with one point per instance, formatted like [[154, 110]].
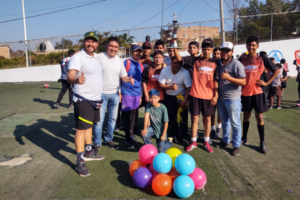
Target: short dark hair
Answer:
[[272, 59], [282, 61], [278, 65], [71, 52], [263, 53], [114, 39], [253, 38], [217, 49], [174, 58], [159, 42], [194, 43], [158, 52]]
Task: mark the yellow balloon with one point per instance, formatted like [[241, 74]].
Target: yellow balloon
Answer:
[[173, 153]]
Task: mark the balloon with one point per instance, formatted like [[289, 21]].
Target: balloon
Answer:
[[152, 170], [199, 178], [185, 164], [142, 177], [147, 153], [173, 174], [173, 153], [46, 85], [183, 186], [162, 163], [135, 165], [162, 184]]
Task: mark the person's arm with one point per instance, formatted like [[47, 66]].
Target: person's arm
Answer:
[[235, 81], [163, 136], [146, 124], [214, 100], [73, 79], [145, 92], [177, 55], [274, 75], [168, 87], [284, 79], [186, 98], [128, 79]]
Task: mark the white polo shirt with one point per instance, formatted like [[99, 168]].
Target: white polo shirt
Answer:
[[93, 86]]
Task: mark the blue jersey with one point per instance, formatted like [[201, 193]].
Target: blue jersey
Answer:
[[136, 72]]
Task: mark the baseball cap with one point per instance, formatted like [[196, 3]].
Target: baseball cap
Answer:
[[153, 92], [136, 47], [147, 44], [207, 43], [92, 35], [227, 45]]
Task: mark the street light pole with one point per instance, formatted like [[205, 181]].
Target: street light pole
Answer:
[[162, 21], [25, 34], [222, 21]]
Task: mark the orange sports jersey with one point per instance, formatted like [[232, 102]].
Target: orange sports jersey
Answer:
[[253, 69], [204, 74], [151, 77]]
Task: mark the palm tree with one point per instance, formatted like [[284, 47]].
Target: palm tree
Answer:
[[125, 41]]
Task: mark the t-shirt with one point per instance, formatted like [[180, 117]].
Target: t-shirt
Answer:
[[228, 90], [188, 62], [151, 77], [285, 67], [93, 86], [276, 82], [113, 71], [182, 79], [168, 61], [204, 74], [158, 116], [64, 64], [146, 61], [136, 72]]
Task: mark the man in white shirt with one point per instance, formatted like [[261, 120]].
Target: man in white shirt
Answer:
[[85, 72], [113, 70], [177, 82]]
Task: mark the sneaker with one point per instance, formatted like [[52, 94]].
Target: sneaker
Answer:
[[209, 141], [111, 145], [263, 147], [298, 105], [71, 106], [207, 147], [82, 170], [93, 155], [222, 145], [117, 129], [236, 151], [121, 127], [270, 107], [279, 107], [218, 132], [57, 105], [192, 146], [281, 97], [129, 144], [213, 134], [134, 138], [244, 141]]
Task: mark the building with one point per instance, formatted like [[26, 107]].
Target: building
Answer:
[[48, 48], [4, 51]]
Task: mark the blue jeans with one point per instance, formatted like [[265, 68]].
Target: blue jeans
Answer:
[[162, 145], [111, 102], [230, 111]]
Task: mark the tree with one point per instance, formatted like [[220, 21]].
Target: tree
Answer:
[[64, 44], [125, 41]]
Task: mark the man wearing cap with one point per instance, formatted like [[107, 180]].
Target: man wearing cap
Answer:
[[113, 71], [231, 79], [131, 94], [85, 72], [145, 59]]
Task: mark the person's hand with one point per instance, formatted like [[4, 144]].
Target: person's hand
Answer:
[[213, 101], [244, 55], [261, 83], [140, 101], [225, 75], [182, 104], [81, 79], [288, 76], [162, 138], [174, 87], [147, 98], [144, 132], [131, 80]]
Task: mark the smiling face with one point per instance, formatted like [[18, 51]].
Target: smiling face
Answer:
[[252, 47], [217, 54], [226, 54], [175, 66], [154, 100], [159, 48], [112, 48], [136, 55], [171, 53], [90, 45]]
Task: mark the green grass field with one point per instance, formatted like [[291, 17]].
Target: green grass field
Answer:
[[30, 125]]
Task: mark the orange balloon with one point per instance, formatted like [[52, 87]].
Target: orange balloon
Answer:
[[173, 174], [135, 165], [162, 184]]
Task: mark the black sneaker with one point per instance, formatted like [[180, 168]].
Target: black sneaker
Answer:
[[263, 147], [57, 105], [222, 145], [71, 106], [93, 155], [129, 144], [236, 151], [134, 138], [213, 134], [111, 145], [82, 170], [218, 132], [244, 141]]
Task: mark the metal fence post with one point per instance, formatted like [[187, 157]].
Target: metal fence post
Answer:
[[271, 27]]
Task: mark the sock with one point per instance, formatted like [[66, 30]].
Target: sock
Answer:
[[194, 139], [245, 129], [261, 131], [79, 157], [213, 128], [88, 148], [219, 126], [206, 139]]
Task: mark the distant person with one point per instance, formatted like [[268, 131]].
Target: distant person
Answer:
[[160, 46], [85, 72], [146, 59], [64, 64], [285, 70], [298, 80]]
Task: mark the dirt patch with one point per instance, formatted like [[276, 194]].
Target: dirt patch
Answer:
[[15, 161]]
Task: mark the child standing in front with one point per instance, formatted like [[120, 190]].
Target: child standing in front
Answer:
[[156, 122]]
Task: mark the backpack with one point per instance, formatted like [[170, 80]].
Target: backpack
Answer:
[[128, 64]]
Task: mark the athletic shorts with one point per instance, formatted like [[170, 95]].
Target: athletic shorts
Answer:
[[257, 102], [283, 84], [85, 115], [198, 106], [130, 102]]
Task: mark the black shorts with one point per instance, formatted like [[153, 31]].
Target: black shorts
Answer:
[[257, 102], [283, 84], [201, 105], [85, 115]]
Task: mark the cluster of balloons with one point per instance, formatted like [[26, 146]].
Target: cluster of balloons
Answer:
[[167, 171]]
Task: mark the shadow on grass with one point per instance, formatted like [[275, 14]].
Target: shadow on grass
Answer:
[[50, 103]]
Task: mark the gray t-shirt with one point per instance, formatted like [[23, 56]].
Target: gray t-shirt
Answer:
[[228, 90]]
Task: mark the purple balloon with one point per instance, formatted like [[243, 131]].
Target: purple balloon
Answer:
[[142, 177]]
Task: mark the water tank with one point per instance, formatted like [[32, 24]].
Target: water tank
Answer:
[[147, 38], [42, 47]]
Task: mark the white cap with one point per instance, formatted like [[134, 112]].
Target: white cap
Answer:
[[227, 45]]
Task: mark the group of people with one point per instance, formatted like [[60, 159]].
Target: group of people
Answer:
[[168, 88]]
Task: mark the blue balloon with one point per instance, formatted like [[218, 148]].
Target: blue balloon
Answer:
[[162, 163], [142, 177], [183, 186], [185, 164]]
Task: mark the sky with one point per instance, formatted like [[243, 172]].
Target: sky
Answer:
[[68, 22]]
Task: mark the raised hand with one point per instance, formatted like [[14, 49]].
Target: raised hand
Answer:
[[225, 75], [174, 87], [81, 79]]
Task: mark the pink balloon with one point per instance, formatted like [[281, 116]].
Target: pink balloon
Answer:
[[199, 178], [147, 153], [152, 170]]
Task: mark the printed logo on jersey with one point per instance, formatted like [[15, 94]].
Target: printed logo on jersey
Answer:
[[251, 68], [205, 69], [155, 116], [277, 55], [155, 77]]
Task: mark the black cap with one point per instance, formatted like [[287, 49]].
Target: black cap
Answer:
[[207, 43]]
